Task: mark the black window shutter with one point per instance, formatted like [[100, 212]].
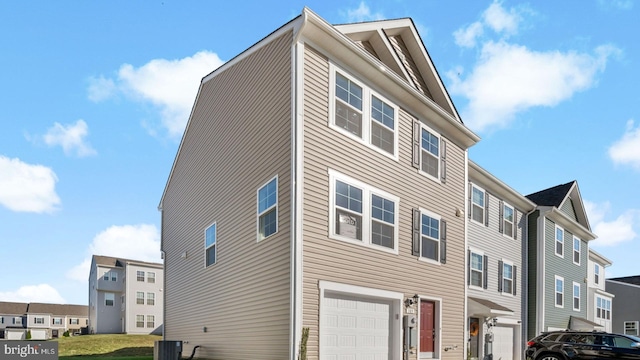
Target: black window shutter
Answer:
[[501, 217], [500, 266], [470, 203], [416, 145], [443, 241], [486, 208], [416, 233], [468, 267], [485, 271], [515, 224], [443, 161], [515, 278]]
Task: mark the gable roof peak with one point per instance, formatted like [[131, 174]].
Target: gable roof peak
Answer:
[[553, 196]]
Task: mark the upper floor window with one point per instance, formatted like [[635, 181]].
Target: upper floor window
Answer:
[[106, 276], [57, 321], [38, 320], [74, 321], [210, 245], [576, 296], [363, 114], [631, 328], [429, 239], [140, 297], [1, 319], [17, 321], [477, 269], [114, 276], [140, 276], [559, 241], [362, 214], [596, 273], [559, 291], [603, 308], [109, 299], [478, 205], [151, 277], [507, 277], [268, 209], [508, 220], [576, 250], [151, 298]]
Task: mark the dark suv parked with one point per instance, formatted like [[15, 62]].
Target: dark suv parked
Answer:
[[565, 345]]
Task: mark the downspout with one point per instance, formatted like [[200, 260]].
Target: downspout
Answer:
[[466, 252], [295, 296], [525, 282], [540, 272]]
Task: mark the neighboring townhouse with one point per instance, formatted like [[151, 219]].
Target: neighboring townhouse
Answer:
[[47, 321], [320, 184], [626, 290], [125, 296], [497, 232], [598, 299], [13, 320], [558, 247]]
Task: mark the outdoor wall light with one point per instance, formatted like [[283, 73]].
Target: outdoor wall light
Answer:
[[204, 329]]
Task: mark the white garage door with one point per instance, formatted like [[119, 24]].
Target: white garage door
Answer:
[[38, 334], [14, 334], [503, 337], [354, 328]]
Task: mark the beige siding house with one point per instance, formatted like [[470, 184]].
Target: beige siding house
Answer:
[[320, 183]]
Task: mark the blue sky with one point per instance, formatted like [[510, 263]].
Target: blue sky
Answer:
[[95, 96]]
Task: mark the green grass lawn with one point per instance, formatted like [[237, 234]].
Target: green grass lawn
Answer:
[[113, 346]]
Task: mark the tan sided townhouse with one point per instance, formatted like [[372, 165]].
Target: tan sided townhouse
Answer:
[[320, 184]]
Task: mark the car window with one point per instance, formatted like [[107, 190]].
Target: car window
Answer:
[[578, 338], [622, 342]]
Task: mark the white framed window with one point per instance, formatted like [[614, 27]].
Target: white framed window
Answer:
[[478, 204], [140, 297], [477, 269], [106, 276], [576, 296], [114, 276], [140, 275], [74, 321], [17, 321], [268, 209], [38, 320], [151, 277], [559, 241], [57, 321], [210, 241], [631, 328], [431, 237], [109, 299], [507, 278], [363, 114], [151, 298], [1, 319], [559, 291], [151, 321], [576, 250], [139, 321], [596, 274], [603, 308], [429, 152], [362, 214], [508, 220]]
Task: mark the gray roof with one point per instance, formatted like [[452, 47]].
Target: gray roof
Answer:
[[552, 196], [58, 309], [120, 262], [13, 308], [633, 280]]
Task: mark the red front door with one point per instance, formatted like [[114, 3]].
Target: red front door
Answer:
[[427, 326]]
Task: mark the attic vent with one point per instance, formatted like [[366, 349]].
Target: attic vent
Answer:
[[367, 46], [410, 66]]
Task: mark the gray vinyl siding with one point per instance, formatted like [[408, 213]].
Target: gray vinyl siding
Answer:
[[496, 246], [532, 274], [239, 137], [624, 306], [568, 209], [338, 261], [564, 267]]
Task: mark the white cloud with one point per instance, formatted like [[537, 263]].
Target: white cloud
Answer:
[[71, 137], [137, 242], [362, 13], [509, 78], [169, 85], [613, 232], [26, 187], [43, 293], [466, 37], [626, 151], [501, 20]]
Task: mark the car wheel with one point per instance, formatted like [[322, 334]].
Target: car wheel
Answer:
[[549, 357]]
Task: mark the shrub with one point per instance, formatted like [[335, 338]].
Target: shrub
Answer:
[[28, 335], [66, 333]]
